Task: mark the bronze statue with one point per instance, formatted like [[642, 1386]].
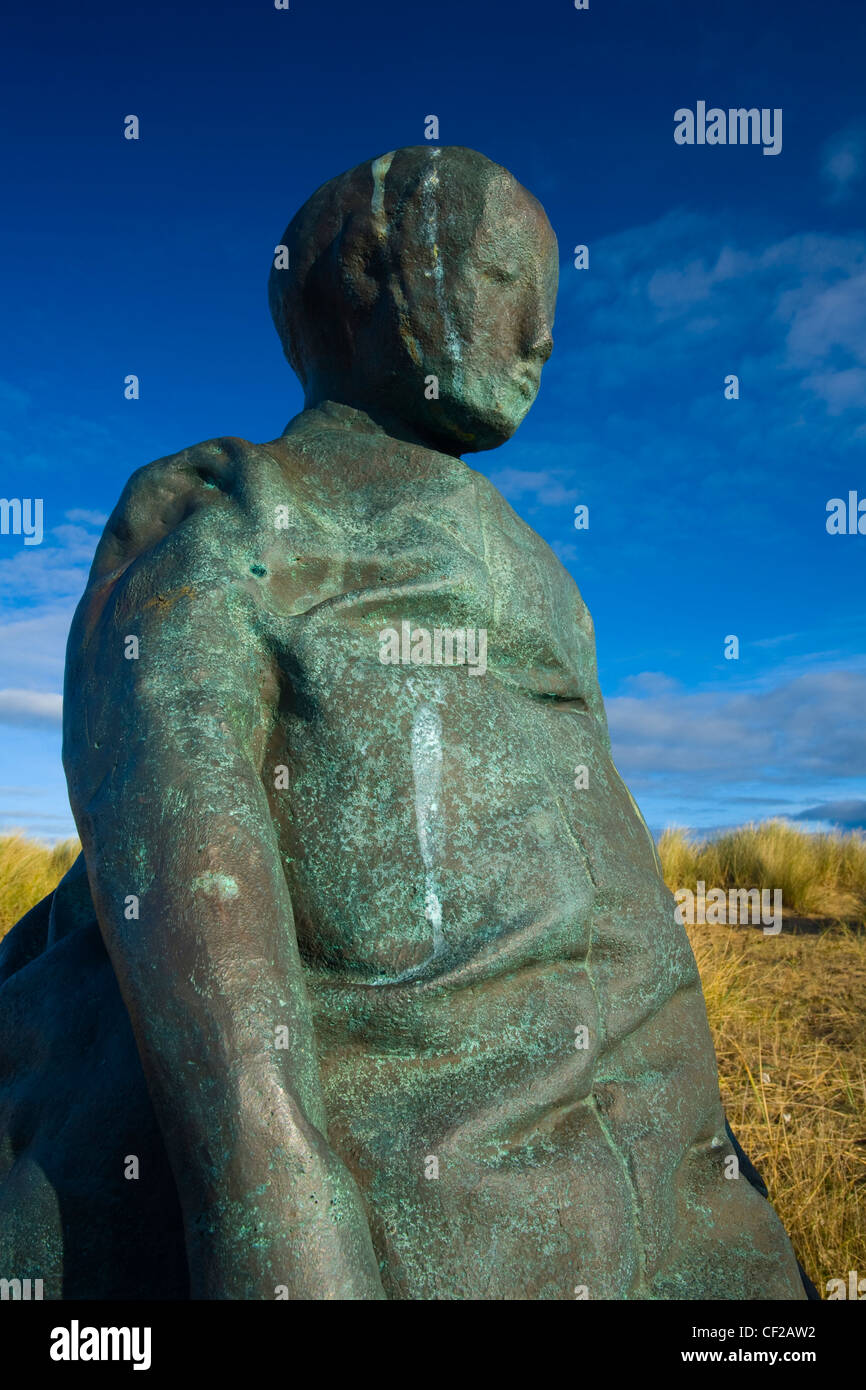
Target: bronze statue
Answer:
[[354, 993]]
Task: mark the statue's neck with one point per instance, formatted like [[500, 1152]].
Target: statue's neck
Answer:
[[342, 412], [347, 438]]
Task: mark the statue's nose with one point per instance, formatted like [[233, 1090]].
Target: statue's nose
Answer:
[[542, 345]]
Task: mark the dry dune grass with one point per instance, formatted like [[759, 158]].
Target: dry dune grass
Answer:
[[786, 1011], [823, 875], [787, 1016], [29, 870]]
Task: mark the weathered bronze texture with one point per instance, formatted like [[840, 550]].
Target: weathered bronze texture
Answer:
[[383, 1003]]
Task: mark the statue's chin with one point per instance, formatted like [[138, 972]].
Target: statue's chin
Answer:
[[472, 427], [487, 438]]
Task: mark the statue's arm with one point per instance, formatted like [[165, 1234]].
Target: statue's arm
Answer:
[[163, 754]]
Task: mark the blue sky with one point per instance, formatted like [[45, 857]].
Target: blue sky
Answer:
[[707, 516]]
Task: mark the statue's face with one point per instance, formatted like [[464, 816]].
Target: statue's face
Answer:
[[482, 316], [439, 322]]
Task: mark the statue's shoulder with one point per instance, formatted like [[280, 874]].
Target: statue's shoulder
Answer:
[[499, 513], [543, 576], [184, 503]]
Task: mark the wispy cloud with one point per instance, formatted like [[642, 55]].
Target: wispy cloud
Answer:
[[39, 588], [56, 571], [542, 486], [847, 815], [633, 419], [33, 646], [678, 294], [30, 707], [89, 518], [843, 163], [791, 734]]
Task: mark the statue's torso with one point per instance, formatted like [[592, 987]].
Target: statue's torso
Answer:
[[512, 1041], [500, 990], [438, 816]]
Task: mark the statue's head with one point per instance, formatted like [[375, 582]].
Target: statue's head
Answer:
[[421, 289]]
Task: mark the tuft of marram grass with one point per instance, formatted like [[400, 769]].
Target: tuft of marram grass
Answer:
[[28, 871], [819, 875]]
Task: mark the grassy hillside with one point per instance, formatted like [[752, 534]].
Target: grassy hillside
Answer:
[[788, 1015]]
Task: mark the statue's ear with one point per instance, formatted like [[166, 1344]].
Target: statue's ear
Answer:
[[362, 262]]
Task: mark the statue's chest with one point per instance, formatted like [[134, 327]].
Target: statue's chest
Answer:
[[428, 587]]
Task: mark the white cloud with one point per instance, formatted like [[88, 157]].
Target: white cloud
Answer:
[[50, 572], [808, 727], [30, 707]]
